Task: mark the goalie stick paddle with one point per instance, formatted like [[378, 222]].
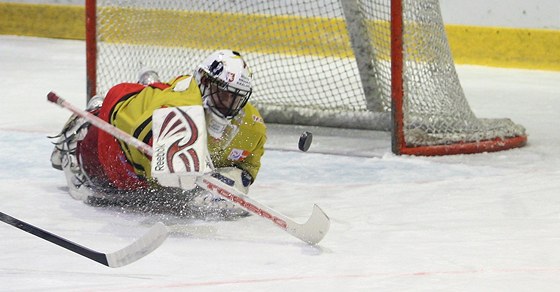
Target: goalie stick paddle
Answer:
[[312, 231], [129, 254]]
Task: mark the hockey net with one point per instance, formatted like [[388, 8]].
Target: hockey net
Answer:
[[324, 63]]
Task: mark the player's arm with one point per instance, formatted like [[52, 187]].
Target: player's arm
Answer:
[[252, 163]]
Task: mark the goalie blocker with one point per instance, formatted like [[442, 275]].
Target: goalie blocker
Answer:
[[180, 146], [180, 151]]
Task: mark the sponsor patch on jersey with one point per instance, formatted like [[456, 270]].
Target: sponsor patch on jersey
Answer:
[[258, 119], [238, 154]]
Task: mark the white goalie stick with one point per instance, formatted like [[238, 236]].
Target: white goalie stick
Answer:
[[311, 232], [129, 254]]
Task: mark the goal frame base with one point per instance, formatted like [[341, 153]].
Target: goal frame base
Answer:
[[494, 145]]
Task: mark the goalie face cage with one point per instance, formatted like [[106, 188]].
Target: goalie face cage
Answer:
[[378, 64]]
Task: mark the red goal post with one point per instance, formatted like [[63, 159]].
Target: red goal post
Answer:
[[379, 65], [511, 135]]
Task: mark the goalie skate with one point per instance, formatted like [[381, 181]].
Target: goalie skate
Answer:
[[73, 131], [66, 142]]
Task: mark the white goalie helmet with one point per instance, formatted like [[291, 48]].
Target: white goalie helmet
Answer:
[[225, 81]]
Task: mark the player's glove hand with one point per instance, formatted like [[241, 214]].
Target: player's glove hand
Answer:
[[234, 177]]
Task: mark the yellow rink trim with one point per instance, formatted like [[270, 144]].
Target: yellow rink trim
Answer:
[[246, 33], [41, 20], [505, 47], [492, 46]]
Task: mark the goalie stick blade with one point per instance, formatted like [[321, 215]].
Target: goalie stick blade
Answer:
[[314, 230], [310, 232], [139, 248]]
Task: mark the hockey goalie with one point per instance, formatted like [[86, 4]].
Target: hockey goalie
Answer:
[[197, 125]]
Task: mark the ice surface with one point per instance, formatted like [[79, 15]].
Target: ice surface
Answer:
[[484, 222]]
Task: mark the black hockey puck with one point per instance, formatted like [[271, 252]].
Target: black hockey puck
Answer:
[[305, 141]]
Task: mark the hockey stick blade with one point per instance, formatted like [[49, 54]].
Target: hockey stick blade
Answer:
[[133, 252], [312, 231], [139, 248]]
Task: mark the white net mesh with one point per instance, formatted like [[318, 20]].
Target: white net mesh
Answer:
[[436, 110], [302, 57]]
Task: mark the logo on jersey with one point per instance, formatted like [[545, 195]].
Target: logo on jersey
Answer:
[[238, 154], [258, 119]]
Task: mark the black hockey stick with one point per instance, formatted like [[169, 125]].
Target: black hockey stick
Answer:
[[133, 252]]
